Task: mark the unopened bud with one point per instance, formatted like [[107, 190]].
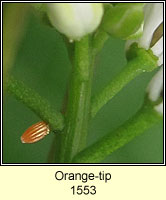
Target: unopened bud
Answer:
[[75, 20], [123, 19]]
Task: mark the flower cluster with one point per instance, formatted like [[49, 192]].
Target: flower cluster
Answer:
[[143, 22], [152, 31]]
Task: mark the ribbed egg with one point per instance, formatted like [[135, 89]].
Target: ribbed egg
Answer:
[[35, 132]]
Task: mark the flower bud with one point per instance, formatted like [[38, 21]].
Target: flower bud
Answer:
[[123, 19], [155, 91], [152, 36], [75, 20]]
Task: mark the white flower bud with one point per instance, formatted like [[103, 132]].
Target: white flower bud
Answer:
[[75, 20], [152, 30], [159, 108], [155, 90]]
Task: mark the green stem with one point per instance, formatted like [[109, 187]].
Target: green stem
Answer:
[[77, 115], [144, 119], [36, 103], [99, 40], [142, 62]]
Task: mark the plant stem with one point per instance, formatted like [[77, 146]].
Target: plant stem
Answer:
[[142, 62], [77, 115], [36, 103], [144, 119], [99, 40]]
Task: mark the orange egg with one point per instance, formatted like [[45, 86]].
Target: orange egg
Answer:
[[35, 133]]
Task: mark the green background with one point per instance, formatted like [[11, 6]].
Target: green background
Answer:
[[42, 63]]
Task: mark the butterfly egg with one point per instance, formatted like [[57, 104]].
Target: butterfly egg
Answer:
[[35, 133]]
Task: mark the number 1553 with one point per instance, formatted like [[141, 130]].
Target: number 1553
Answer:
[[80, 189]]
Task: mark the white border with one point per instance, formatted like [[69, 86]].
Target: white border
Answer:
[[104, 164]]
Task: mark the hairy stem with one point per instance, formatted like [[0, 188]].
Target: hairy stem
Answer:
[[99, 40], [142, 62], [144, 119], [77, 115], [36, 103]]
